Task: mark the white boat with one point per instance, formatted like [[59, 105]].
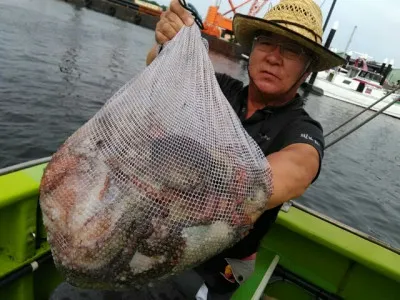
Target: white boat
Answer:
[[357, 86]]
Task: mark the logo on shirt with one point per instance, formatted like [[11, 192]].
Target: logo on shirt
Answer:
[[310, 138], [264, 137]]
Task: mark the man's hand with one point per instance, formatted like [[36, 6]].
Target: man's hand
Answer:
[[171, 21], [293, 169]]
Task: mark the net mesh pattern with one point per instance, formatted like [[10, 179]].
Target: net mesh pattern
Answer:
[[160, 179]]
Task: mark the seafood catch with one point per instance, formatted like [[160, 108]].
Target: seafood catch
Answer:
[[149, 187], [110, 228]]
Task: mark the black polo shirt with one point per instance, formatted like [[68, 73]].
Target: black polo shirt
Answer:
[[273, 128]]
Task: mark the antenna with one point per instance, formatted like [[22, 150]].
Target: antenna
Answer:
[[350, 39]]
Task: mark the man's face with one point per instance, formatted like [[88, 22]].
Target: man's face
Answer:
[[274, 69]]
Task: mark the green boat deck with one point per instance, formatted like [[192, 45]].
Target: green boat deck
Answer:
[[336, 260], [326, 255]]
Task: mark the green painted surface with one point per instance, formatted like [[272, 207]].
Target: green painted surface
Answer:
[[17, 226], [34, 286], [15, 187], [343, 242], [313, 262], [286, 290], [35, 172], [328, 257], [19, 290], [22, 237], [7, 264], [363, 283]]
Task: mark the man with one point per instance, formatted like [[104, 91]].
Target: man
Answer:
[[285, 46]]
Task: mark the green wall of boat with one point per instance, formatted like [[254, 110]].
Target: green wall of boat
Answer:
[[309, 257], [327, 268], [23, 237]]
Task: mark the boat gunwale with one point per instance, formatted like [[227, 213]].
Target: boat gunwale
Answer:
[[24, 165], [349, 244], [345, 227]]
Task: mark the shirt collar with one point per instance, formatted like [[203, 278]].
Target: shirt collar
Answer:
[[295, 103]]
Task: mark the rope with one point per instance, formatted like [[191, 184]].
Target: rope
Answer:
[[364, 110], [361, 124], [195, 15]]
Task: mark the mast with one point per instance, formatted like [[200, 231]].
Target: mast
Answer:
[[350, 39]]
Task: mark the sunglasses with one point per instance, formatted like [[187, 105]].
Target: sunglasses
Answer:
[[288, 50]]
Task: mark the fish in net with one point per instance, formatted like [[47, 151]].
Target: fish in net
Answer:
[[160, 179]]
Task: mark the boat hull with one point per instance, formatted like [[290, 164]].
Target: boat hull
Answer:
[[336, 90]]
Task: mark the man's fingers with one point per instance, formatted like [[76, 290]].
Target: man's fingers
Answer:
[[181, 12], [168, 30], [164, 32], [174, 20], [161, 38]]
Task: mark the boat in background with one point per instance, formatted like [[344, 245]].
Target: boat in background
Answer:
[[305, 255], [357, 86]]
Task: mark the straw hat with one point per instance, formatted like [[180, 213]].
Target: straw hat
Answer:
[[299, 20]]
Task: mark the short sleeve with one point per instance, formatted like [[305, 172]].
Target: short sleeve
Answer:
[[308, 131]]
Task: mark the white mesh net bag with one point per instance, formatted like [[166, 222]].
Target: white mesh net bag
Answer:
[[162, 178]]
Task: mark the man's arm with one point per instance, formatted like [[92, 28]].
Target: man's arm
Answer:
[[293, 170]]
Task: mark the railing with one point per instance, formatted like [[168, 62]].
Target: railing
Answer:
[[24, 165]]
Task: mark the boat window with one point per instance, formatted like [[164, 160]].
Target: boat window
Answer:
[[363, 74], [377, 77], [370, 76], [353, 73]]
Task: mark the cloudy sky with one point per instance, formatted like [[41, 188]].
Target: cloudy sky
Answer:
[[377, 21]]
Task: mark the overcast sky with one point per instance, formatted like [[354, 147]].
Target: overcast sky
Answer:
[[377, 21]]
